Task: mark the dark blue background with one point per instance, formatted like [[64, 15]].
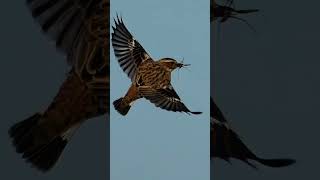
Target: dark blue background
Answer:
[[32, 72], [268, 86]]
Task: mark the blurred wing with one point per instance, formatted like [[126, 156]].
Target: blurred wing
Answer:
[[226, 144], [80, 29], [129, 52], [165, 98], [61, 20], [216, 113], [212, 6]]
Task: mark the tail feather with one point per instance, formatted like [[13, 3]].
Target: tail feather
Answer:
[[122, 107], [45, 158], [35, 144], [19, 130]]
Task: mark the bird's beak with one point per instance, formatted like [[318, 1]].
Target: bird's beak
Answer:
[[180, 65]]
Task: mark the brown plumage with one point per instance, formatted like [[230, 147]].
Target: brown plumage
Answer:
[[80, 30], [150, 79]]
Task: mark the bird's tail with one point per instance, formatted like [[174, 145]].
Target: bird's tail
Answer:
[[36, 144], [121, 106]]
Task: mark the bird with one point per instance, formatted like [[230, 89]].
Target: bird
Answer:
[[226, 144], [222, 13], [80, 29], [150, 79]]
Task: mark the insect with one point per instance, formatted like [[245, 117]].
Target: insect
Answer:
[[223, 13], [225, 143], [150, 79], [80, 30]]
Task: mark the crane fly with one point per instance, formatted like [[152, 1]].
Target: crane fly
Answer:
[[222, 13]]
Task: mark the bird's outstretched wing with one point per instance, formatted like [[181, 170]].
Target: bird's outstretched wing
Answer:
[[71, 24], [225, 143], [81, 30], [165, 98], [61, 20], [129, 52]]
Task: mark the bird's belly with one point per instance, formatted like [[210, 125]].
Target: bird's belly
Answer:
[[154, 77], [92, 55], [91, 52]]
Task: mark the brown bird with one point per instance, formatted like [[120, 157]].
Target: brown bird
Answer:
[[81, 30], [225, 143], [150, 79]]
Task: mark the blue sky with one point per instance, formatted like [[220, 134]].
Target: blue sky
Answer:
[[151, 143]]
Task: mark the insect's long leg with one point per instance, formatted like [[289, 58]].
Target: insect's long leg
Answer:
[[218, 41], [187, 68], [224, 19], [246, 11], [230, 3], [246, 22]]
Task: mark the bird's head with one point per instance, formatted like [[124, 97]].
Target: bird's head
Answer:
[[172, 64]]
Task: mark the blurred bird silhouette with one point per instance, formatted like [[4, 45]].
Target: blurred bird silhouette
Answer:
[[80, 30], [150, 79], [226, 144]]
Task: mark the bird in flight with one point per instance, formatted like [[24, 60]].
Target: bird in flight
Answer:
[[225, 143], [80, 29], [150, 79]]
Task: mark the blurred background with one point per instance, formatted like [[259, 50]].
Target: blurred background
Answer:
[[32, 73], [267, 84]]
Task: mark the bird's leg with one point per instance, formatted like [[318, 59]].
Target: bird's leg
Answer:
[[131, 95]]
